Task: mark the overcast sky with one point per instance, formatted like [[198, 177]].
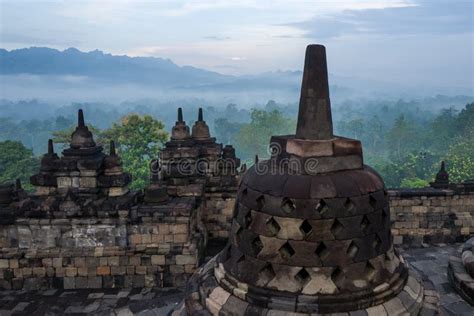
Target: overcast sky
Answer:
[[429, 41]]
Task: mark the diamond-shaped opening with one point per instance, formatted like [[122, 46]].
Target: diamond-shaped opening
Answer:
[[370, 271], [377, 242], [306, 228], [352, 250], [384, 215], [227, 253], [244, 192], [385, 193], [241, 259], [288, 206], [388, 256], [235, 210], [286, 251], [303, 277], [364, 223], [238, 235], [272, 226], [257, 245], [336, 228], [248, 218], [321, 207], [267, 273], [260, 202], [322, 251], [372, 202], [337, 275], [348, 204]]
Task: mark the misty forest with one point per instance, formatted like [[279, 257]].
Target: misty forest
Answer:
[[404, 140], [405, 135]]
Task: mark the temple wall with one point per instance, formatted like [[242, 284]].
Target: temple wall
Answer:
[[217, 214], [160, 245], [431, 216], [155, 250]]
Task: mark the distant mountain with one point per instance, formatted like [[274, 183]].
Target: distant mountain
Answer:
[[95, 64], [45, 73], [72, 75]]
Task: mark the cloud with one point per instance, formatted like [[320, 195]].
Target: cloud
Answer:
[[217, 38], [29, 40], [436, 17]]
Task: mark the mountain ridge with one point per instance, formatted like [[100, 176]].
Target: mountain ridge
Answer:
[[97, 64]]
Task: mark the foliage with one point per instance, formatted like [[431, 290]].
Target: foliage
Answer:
[[460, 158], [414, 183], [227, 130], [138, 140], [17, 162], [254, 137], [404, 141]]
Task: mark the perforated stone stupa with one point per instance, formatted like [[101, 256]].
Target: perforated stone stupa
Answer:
[[311, 229]]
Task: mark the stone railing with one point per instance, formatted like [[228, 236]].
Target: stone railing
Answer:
[[143, 246], [426, 216]]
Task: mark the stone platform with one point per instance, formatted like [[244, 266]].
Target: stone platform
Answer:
[[431, 263]]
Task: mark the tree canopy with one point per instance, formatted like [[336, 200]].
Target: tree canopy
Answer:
[[17, 162]]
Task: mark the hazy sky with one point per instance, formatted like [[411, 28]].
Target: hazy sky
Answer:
[[419, 41]]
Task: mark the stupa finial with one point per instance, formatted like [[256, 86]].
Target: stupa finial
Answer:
[[200, 116], [80, 118], [50, 147], [180, 114], [112, 148], [314, 116]]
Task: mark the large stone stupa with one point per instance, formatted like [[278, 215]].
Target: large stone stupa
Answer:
[[311, 229]]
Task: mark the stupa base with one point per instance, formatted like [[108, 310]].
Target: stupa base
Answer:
[[459, 273], [206, 296]]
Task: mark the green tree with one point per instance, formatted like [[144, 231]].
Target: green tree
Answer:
[[375, 134], [17, 161], [254, 137], [460, 158], [414, 183], [138, 140], [353, 128], [466, 118], [402, 137], [226, 131]]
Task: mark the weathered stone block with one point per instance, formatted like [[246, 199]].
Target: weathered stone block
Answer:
[[185, 259], [87, 182], [118, 191], [103, 270], [94, 282], [81, 283], [113, 261], [71, 272], [158, 260], [64, 182], [69, 283]]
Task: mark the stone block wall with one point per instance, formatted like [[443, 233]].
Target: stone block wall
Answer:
[[142, 247], [217, 216], [431, 216]]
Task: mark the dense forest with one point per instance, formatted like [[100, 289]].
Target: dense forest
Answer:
[[404, 140]]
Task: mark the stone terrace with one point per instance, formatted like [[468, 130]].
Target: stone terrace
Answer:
[[430, 262]]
